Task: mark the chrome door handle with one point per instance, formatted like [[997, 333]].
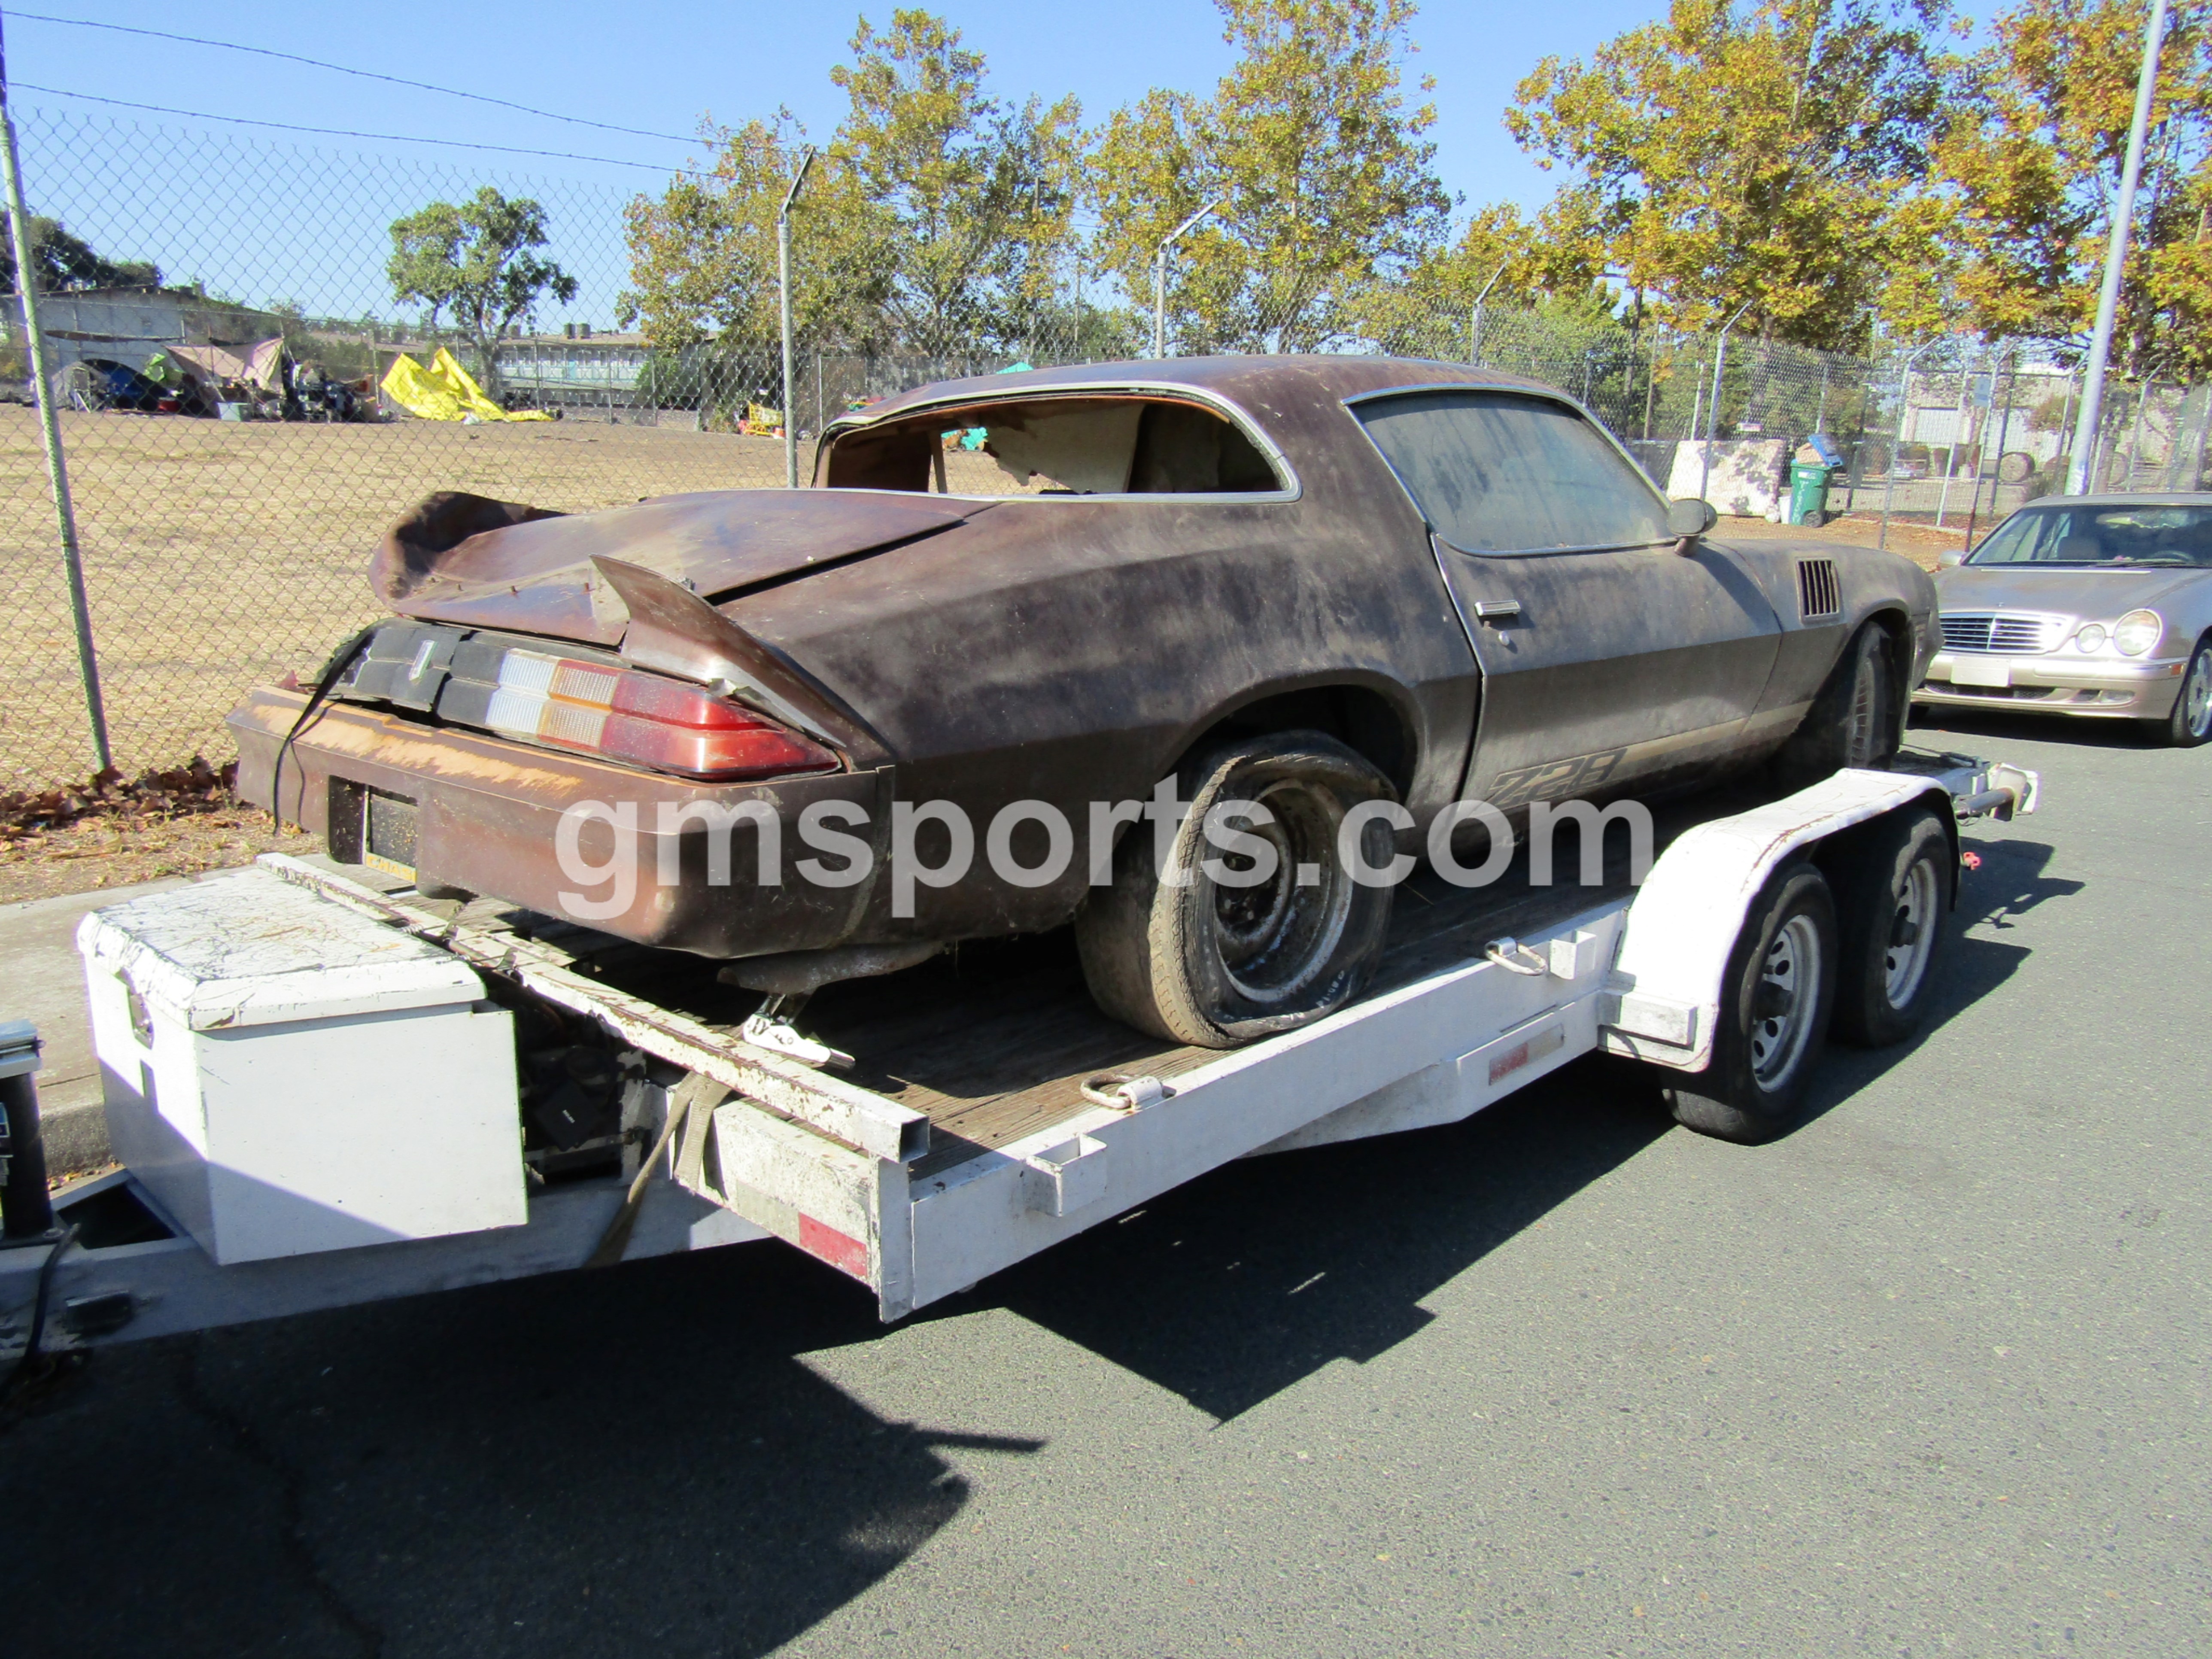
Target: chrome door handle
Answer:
[[1497, 610]]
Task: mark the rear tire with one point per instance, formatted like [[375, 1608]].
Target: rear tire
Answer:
[[1220, 964], [1776, 999], [2190, 722], [1895, 878], [1856, 721]]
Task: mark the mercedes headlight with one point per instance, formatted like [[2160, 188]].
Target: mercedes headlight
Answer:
[[2091, 638], [2138, 632]]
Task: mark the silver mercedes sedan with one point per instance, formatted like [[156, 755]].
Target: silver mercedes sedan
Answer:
[[2096, 605]]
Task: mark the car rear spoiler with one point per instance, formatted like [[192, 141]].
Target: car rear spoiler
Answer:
[[673, 631]]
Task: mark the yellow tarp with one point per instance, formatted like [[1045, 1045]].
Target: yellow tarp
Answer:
[[444, 392]]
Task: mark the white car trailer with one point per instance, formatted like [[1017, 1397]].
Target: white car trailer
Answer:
[[312, 1084]]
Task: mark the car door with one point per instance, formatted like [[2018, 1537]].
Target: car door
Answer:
[[1607, 654]]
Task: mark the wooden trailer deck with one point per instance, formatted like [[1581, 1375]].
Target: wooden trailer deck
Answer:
[[994, 1039]]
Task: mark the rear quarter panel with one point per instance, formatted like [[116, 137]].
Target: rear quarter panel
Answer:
[[1068, 651]]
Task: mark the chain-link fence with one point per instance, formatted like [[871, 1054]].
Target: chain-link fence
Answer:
[[235, 452]]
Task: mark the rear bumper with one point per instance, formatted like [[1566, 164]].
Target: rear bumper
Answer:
[[489, 810], [2046, 684]]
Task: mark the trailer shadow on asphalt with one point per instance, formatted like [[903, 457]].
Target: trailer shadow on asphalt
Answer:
[[640, 1460], [604, 1463], [2013, 880], [1231, 1288]]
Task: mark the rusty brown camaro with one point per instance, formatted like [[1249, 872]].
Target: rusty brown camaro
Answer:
[[1307, 582]]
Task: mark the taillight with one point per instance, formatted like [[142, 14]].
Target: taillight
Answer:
[[642, 719]]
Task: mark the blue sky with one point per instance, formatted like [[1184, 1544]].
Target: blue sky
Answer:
[[659, 65]]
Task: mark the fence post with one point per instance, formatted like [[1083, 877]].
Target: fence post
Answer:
[[1713, 409], [783, 305], [1889, 473], [2004, 425], [49, 430]]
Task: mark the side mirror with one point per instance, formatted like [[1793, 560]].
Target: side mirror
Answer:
[[1686, 518], [1950, 559]]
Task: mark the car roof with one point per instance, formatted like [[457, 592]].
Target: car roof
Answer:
[[2121, 498], [1245, 381]]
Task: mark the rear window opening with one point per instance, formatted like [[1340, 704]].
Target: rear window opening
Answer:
[[1118, 445]]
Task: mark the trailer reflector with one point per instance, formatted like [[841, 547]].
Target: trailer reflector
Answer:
[[848, 1255]]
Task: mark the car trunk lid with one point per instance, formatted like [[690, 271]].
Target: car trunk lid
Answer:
[[492, 564]]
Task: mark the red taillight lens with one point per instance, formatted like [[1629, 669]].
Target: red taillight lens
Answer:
[[644, 720]]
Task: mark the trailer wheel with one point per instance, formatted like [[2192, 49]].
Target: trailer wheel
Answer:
[[1777, 995], [1895, 878], [1218, 964]]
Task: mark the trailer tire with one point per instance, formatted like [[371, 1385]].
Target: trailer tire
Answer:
[[1772, 1022], [1218, 964], [1895, 878]]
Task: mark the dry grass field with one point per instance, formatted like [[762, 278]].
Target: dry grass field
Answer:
[[219, 557]]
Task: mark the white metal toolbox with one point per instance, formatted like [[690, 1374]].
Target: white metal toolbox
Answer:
[[286, 1076]]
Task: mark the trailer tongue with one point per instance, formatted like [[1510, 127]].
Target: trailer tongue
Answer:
[[312, 1084]]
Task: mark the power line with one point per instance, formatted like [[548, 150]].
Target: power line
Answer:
[[344, 132], [366, 75]]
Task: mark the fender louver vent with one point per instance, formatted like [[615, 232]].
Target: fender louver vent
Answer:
[[1820, 597]]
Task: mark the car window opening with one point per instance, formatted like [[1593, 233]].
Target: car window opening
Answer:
[[1054, 447]]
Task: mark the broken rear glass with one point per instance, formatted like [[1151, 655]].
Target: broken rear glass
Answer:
[[1107, 446]]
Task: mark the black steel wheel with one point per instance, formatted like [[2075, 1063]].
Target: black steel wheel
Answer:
[[1774, 1002], [1261, 942], [1856, 719], [1894, 879]]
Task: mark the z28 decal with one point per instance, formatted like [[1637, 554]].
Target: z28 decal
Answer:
[[1554, 780]]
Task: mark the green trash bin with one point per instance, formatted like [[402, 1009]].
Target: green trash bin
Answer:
[[1808, 492]]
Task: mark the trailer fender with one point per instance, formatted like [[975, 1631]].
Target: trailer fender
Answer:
[[1662, 1002]]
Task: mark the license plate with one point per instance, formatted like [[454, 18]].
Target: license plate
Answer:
[[1964, 672], [387, 834]]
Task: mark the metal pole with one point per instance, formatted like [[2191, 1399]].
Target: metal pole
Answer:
[[2135, 437], [2004, 425], [2116, 258], [1951, 451], [49, 428], [783, 305], [1713, 409], [1160, 277], [1474, 318], [1889, 472]]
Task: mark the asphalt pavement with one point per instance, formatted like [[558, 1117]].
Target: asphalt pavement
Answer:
[[1927, 1376]]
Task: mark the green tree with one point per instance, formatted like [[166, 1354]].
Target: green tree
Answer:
[[475, 261], [66, 261], [1762, 153], [2030, 168], [1325, 177], [1508, 261], [703, 253], [978, 194]]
